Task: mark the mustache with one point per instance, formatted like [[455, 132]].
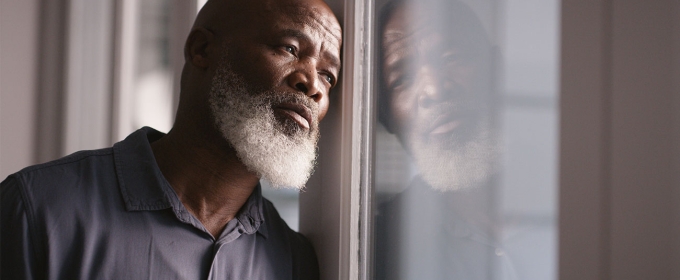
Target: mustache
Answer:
[[276, 98]]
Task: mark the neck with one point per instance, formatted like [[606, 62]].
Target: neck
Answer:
[[209, 179], [478, 207]]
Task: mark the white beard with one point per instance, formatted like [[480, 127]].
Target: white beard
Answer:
[[461, 166], [278, 151]]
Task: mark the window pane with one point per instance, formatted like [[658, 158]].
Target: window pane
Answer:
[[286, 201], [153, 88], [466, 146]]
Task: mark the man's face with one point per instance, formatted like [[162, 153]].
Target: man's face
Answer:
[[291, 46], [271, 90], [439, 97]]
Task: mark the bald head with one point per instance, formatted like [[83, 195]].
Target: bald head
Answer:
[[232, 16]]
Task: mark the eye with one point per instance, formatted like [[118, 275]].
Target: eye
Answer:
[[328, 78], [402, 80], [289, 49], [451, 57], [457, 58]]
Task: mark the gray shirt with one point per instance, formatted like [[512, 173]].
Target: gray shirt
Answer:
[[110, 214]]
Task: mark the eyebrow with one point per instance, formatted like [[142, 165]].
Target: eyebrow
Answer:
[[335, 61], [295, 33]]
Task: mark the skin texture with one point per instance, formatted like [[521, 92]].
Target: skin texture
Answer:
[[289, 45]]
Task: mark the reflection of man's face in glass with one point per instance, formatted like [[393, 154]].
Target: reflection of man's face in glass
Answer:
[[436, 64]]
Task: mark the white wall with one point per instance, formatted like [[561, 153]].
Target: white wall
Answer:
[[18, 79]]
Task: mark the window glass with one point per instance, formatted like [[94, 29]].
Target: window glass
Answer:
[[153, 98], [286, 201], [466, 145]]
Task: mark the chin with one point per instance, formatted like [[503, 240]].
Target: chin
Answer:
[[457, 165], [278, 151]]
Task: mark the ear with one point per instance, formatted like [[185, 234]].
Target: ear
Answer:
[[196, 48]]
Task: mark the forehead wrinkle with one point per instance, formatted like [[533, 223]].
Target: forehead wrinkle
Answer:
[[315, 18], [334, 60], [331, 38], [400, 32], [413, 41], [330, 42], [397, 57], [429, 43], [396, 43]]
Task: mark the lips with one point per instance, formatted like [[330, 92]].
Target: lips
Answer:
[[446, 127], [444, 124], [296, 112]]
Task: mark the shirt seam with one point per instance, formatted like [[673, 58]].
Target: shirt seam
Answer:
[[33, 232], [67, 160], [121, 180]]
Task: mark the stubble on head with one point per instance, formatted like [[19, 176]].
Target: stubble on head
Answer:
[[277, 150]]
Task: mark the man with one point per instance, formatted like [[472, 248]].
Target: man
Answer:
[[437, 98], [188, 205]]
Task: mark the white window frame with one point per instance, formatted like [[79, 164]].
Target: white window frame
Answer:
[[334, 208]]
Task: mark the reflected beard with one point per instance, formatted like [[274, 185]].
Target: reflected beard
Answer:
[[278, 151], [456, 165]]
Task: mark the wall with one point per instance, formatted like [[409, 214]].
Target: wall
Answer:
[[619, 157], [18, 76]]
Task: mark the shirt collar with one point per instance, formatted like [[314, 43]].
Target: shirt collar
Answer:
[[145, 189], [139, 178], [251, 215]]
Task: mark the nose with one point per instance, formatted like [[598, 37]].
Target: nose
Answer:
[[306, 80], [433, 89]]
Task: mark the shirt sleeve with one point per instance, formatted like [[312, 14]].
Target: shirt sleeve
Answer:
[[17, 246]]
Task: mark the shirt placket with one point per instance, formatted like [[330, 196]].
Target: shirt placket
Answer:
[[218, 269]]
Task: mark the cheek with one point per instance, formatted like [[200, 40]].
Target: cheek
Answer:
[[473, 79], [323, 107], [467, 77], [260, 68], [463, 76], [404, 109]]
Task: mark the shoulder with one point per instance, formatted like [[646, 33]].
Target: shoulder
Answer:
[[62, 182], [64, 168]]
